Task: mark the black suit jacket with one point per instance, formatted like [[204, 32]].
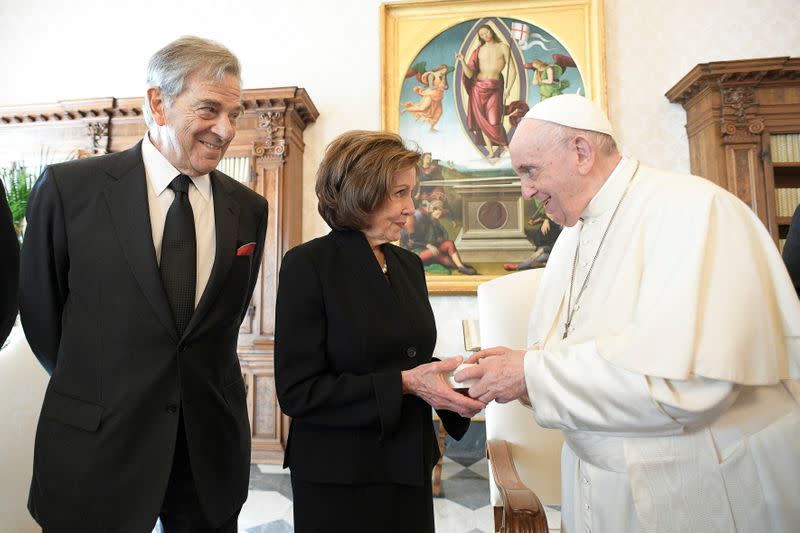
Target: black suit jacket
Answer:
[[342, 337], [9, 268], [97, 318], [791, 250]]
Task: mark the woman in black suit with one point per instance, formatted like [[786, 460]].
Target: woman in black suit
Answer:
[[354, 336]]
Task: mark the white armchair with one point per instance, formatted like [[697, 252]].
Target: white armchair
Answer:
[[22, 385], [524, 458]]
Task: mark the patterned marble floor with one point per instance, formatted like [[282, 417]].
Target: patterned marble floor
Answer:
[[462, 508]]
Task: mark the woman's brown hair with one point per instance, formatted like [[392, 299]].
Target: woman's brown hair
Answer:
[[356, 175]]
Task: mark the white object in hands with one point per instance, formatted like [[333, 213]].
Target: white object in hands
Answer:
[[451, 380], [472, 341]]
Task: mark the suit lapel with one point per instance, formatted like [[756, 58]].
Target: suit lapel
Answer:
[[404, 289], [391, 299], [400, 283], [126, 196], [360, 272], [364, 265], [226, 227]]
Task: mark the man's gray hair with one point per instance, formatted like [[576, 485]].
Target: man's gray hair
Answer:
[[170, 67], [560, 134]]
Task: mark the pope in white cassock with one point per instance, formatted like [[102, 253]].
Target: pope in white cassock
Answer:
[[664, 341]]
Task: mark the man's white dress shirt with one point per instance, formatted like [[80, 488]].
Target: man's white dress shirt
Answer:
[[160, 174]]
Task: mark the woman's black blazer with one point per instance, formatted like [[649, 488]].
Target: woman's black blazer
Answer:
[[342, 337]]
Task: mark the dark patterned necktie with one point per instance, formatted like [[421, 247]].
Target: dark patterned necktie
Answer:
[[179, 254]]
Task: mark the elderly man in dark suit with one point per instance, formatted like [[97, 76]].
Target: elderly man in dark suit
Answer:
[[9, 268], [137, 270]]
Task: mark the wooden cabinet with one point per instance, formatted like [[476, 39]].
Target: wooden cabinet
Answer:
[[733, 111], [266, 155]]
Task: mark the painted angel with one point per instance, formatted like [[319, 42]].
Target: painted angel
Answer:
[[431, 91], [547, 75]]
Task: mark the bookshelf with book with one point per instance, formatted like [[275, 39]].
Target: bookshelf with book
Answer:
[[785, 155], [743, 125]]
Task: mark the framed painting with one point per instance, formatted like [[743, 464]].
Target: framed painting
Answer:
[[457, 77]]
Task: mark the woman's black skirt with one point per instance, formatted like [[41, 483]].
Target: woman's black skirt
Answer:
[[384, 508]]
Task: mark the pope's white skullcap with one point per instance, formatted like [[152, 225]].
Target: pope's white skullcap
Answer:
[[574, 111]]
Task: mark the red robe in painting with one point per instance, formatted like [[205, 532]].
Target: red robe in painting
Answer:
[[485, 111]]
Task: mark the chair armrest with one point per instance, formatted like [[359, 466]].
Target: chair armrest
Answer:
[[522, 510]]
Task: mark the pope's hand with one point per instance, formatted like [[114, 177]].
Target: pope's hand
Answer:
[[428, 382], [501, 375]]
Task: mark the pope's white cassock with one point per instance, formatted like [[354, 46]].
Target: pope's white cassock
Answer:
[[672, 386]]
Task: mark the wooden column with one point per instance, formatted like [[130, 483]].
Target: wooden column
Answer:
[[280, 116]]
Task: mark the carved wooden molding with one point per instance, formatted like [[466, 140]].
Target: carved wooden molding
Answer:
[[737, 83], [98, 135], [285, 99], [727, 74], [280, 112], [62, 111], [290, 99], [739, 120], [271, 142], [128, 107], [270, 150]]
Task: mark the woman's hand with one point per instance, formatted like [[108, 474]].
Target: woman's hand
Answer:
[[428, 382]]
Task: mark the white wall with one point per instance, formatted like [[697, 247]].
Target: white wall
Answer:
[[55, 50]]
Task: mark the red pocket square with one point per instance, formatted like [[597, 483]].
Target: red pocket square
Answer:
[[246, 249]]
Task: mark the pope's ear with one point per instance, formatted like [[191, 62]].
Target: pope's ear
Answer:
[[157, 106], [586, 152]]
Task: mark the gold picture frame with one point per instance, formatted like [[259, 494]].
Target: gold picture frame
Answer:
[[429, 59]]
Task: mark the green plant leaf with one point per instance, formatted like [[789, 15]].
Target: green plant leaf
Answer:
[[18, 183]]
